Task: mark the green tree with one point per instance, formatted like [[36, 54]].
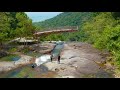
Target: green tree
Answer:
[[4, 27], [104, 32], [24, 25]]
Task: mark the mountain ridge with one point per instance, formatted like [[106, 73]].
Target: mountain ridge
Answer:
[[65, 19]]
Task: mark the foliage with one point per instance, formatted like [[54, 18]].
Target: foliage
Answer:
[[12, 50], [116, 15], [4, 26], [24, 25], [104, 33], [101, 29], [66, 19], [14, 24]]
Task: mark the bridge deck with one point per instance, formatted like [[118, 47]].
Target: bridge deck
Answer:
[[54, 31]]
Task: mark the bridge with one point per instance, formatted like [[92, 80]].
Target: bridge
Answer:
[[56, 30], [45, 33]]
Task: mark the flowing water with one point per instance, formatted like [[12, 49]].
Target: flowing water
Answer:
[[15, 58], [57, 50]]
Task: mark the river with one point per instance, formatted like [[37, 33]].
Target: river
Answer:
[[78, 62]]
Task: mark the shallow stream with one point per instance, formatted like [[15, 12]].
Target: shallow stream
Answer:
[[29, 72]]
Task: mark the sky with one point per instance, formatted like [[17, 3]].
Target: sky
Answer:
[[41, 16]]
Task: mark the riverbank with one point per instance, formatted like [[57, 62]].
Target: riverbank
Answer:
[[81, 60], [10, 65], [78, 60], [43, 48]]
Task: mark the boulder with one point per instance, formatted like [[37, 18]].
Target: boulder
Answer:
[[24, 60]]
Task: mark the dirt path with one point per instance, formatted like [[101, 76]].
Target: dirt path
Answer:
[[81, 60]]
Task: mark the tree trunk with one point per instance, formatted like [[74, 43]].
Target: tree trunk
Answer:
[[1, 45]]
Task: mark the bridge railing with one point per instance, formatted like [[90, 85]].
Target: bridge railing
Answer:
[[60, 28]]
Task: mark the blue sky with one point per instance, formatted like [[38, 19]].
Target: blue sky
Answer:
[[41, 16]]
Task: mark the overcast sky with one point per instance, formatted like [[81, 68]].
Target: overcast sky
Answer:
[[41, 16]]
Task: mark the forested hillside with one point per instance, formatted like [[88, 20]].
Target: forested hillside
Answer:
[[66, 19], [103, 31]]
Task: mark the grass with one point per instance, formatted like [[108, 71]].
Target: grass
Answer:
[[33, 54], [9, 57], [13, 50]]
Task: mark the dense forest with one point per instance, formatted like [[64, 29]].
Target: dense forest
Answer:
[[65, 19], [102, 29]]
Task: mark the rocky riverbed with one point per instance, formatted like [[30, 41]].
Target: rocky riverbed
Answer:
[[81, 60], [78, 60], [26, 59], [10, 65]]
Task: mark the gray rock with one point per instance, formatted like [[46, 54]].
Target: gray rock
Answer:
[[3, 53]]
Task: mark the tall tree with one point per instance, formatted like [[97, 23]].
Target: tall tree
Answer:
[[4, 27], [24, 25], [14, 24]]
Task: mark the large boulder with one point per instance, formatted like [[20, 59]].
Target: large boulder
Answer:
[[6, 66], [24, 60], [10, 65]]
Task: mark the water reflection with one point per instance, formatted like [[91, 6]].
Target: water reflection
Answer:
[[29, 72]]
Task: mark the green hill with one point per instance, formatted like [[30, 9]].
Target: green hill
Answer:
[[66, 19]]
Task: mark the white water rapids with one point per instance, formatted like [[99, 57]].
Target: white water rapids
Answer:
[[42, 59], [46, 58]]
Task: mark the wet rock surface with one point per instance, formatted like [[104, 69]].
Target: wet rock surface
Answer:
[[79, 62], [7, 66]]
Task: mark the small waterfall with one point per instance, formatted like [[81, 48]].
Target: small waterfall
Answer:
[[42, 59], [55, 52]]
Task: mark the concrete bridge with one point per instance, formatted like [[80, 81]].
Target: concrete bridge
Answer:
[[55, 31], [45, 33]]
